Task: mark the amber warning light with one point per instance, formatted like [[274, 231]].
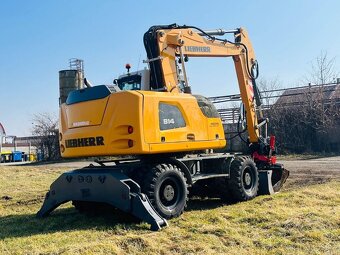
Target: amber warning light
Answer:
[[128, 66]]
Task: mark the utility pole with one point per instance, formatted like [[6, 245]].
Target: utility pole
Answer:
[[0, 143]]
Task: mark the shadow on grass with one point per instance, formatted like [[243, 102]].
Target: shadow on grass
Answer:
[[66, 219], [69, 219], [199, 204]]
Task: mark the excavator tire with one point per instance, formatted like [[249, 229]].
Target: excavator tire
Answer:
[[167, 190], [244, 179]]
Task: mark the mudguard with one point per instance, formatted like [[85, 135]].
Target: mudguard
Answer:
[[102, 184]]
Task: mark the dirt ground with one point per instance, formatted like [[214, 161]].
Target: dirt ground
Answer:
[[305, 172]]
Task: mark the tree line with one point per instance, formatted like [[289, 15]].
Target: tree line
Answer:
[[309, 121]]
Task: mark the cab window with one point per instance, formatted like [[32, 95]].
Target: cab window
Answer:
[[170, 117], [131, 82]]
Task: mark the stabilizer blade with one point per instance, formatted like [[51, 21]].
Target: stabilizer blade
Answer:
[[102, 184], [271, 181]]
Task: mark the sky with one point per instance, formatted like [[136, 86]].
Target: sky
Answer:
[[37, 39]]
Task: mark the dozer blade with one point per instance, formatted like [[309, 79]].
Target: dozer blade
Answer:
[[106, 185], [271, 181]]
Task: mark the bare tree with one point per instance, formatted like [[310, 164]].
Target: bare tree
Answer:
[[305, 121], [267, 89], [45, 126], [323, 69], [322, 117]]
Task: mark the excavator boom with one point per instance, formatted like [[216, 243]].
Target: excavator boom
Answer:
[[164, 43]]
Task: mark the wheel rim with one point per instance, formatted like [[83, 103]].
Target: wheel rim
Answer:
[[248, 179], [170, 193]]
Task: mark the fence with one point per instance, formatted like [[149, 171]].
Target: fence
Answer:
[[305, 118], [228, 106]]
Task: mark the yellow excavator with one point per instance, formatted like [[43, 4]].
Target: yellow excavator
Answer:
[[163, 135]]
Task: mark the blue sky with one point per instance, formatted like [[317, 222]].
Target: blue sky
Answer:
[[38, 37]]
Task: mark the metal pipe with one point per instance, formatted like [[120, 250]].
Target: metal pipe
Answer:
[[262, 123], [29, 151], [15, 143], [219, 32], [87, 83], [183, 67]]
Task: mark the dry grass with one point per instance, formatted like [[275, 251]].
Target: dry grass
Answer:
[[306, 156], [301, 221]]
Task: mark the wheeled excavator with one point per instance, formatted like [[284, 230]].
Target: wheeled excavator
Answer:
[[165, 138]]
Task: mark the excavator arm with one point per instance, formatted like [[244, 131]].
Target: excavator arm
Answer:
[[164, 44]]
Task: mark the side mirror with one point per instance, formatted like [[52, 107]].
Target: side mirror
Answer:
[[115, 82]]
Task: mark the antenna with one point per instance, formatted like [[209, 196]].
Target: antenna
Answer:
[[138, 62]]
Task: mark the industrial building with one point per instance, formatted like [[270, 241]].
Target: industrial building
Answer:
[[13, 148]]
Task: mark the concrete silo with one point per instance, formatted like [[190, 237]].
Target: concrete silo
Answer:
[[71, 79]]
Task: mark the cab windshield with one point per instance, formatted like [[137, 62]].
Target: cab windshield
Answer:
[[131, 82]]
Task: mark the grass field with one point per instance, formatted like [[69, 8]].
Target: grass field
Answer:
[[296, 221]]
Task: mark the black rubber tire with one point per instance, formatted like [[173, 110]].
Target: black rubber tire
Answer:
[[243, 183], [167, 190]]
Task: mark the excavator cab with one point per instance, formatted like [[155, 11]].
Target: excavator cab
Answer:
[[139, 80]]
